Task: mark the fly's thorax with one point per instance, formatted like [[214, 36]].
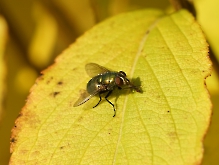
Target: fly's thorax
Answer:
[[102, 83], [108, 78]]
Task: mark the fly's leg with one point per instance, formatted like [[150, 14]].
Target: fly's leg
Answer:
[[108, 94], [98, 101]]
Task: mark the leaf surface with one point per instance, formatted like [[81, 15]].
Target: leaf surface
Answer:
[[163, 125]]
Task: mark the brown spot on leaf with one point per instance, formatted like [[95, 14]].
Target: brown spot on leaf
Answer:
[[60, 83], [80, 119], [55, 94], [51, 78], [13, 140], [173, 135], [74, 69], [64, 146], [19, 115], [41, 78], [70, 104]]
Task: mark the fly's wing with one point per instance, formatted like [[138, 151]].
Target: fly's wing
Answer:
[[93, 69], [85, 96]]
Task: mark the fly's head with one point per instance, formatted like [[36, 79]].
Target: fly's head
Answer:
[[123, 82]]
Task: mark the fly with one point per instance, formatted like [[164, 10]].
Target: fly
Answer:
[[104, 81]]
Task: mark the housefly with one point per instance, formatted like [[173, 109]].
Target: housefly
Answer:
[[104, 81]]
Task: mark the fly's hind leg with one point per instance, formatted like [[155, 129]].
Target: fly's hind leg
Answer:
[[108, 94]]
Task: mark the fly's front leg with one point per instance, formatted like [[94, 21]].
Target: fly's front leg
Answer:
[[98, 101], [108, 94]]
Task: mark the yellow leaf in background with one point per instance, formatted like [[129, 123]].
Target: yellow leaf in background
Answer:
[[43, 40], [3, 38], [163, 125], [208, 18], [81, 21]]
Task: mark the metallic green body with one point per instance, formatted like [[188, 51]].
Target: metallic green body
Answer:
[[103, 82]]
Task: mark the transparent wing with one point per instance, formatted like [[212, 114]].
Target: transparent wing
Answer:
[[84, 97], [93, 69]]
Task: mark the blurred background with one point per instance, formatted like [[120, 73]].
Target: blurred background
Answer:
[[34, 32]]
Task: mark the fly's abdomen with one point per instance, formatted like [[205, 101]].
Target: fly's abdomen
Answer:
[[93, 85]]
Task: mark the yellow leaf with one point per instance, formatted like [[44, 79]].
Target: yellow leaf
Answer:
[[208, 18], [44, 37], [3, 38], [163, 125]]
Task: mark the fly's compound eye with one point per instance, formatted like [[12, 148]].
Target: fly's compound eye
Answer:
[[121, 73], [119, 81]]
